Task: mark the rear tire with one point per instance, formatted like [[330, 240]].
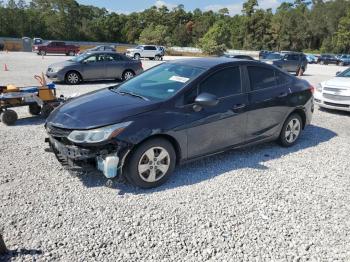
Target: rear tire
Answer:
[[291, 131], [128, 74], [34, 109], [73, 78], [46, 110], [71, 53], [9, 117], [300, 72], [144, 172]]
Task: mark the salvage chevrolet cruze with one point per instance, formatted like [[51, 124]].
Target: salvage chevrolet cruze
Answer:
[[176, 112]]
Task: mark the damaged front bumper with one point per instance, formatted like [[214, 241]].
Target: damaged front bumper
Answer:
[[107, 158]]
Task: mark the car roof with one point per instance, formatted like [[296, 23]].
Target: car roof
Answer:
[[102, 52], [209, 62]]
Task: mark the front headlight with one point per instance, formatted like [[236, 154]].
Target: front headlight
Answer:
[[56, 69], [319, 88], [97, 135]]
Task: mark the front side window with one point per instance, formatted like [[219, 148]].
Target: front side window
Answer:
[[160, 82], [261, 77], [223, 83]]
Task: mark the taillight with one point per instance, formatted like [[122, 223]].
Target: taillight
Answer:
[[312, 89]]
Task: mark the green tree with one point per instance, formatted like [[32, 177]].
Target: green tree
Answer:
[[216, 40], [154, 35]]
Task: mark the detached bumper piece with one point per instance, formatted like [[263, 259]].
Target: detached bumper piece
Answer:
[[78, 158]]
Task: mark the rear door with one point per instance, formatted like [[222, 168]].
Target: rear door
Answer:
[[60, 47], [292, 62], [115, 65], [221, 126], [94, 67], [268, 101]]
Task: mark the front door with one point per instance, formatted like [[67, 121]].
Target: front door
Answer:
[[94, 67], [224, 125]]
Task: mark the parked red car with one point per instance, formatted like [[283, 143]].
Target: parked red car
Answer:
[[55, 47]]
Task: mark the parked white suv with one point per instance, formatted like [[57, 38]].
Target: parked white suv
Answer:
[[145, 51]]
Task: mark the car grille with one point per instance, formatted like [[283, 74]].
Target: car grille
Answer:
[[333, 89], [335, 104], [336, 97], [57, 132]]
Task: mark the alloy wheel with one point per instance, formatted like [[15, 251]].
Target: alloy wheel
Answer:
[[154, 164], [293, 130], [73, 78], [128, 75]]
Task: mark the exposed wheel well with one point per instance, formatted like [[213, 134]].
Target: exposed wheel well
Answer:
[[173, 142], [126, 70], [301, 113]]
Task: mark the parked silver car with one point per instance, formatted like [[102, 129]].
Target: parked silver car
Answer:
[[94, 66], [152, 52], [99, 48]]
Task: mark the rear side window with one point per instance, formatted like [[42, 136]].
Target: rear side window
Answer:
[[223, 83], [292, 57], [282, 79], [150, 48], [261, 77]]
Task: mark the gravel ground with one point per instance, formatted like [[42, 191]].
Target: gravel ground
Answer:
[[263, 203]]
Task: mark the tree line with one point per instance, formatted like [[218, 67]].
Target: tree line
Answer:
[[322, 26]]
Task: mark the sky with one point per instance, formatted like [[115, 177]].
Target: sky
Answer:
[[120, 6]]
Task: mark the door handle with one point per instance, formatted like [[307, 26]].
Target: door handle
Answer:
[[284, 94], [239, 106]]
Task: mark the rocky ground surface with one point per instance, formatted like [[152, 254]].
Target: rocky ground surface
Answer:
[[262, 203]]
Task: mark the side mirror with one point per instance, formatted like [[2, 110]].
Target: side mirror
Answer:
[[206, 100], [338, 73]]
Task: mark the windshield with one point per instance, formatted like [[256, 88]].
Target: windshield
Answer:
[[273, 56], [79, 58], [160, 82], [345, 73]]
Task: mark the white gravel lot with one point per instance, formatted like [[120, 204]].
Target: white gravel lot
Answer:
[[262, 203]]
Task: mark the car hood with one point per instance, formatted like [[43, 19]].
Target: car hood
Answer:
[[343, 82], [63, 64], [97, 109]]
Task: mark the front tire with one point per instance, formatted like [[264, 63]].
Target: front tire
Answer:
[[151, 163], [158, 58], [137, 56], [73, 78], [42, 52], [291, 130], [71, 53], [9, 117]]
